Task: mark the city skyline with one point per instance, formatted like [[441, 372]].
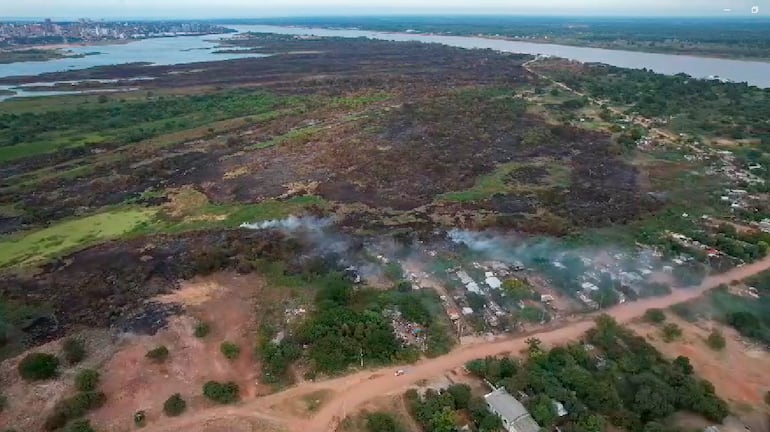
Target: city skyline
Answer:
[[202, 9]]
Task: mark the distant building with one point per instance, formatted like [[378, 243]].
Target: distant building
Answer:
[[512, 413]]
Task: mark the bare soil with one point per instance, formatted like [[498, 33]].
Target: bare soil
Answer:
[[132, 382], [739, 372]]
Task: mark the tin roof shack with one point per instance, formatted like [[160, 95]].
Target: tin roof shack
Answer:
[[514, 416]]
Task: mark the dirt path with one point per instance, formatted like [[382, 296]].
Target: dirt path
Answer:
[[353, 390]]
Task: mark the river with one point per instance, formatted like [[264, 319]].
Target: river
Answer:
[[158, 51], [192, 49], [752, 72]]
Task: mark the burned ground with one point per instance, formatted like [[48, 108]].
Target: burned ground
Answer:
[[109, 285], [390, 125], [387, 136]]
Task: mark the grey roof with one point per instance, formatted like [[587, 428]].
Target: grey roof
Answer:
[[512, 410]]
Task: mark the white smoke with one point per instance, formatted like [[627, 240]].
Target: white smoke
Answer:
[[292, 224]]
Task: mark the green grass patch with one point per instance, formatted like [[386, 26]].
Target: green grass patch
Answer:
[[296, 135], [31, 247], [83, 124], [497, 183]]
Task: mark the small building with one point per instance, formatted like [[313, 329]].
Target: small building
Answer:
[[560, 410], [512, 413], [494, 282], [467, 311]]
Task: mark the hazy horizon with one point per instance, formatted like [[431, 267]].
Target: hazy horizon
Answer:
[[244, 9]]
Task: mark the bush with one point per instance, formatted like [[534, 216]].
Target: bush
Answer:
[[74, 350], [3, 403], [202, 330], [230, 350], [79, 405], [159, 354], [87, 380], [382, 422], [671, 332], [140, 419], [223, 393], [38, 366], [716, 340], [81, 425], [767, 397], [656, 316], [73, 408], [174, 405]]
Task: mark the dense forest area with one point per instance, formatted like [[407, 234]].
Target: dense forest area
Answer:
[[613, 377], [687, 105], [350, 325]]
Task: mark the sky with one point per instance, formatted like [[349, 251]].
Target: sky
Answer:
[[274, 8]]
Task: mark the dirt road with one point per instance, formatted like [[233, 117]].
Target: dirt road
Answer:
[[352, 391]]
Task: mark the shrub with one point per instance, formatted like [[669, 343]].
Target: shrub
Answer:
[[382, 422], [79, 405], [38, 366], [3, 403], [767, 397], [174, 405], [159, 354], [671, 332], [74, 350], [655, 316], [230, 350], [87, 380], [140, 419], [202, 330], [81, 425], [223, 393], [73, 408], [716, 340]]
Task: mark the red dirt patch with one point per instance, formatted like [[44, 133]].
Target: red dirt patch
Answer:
[[739, 372], [132, 382]]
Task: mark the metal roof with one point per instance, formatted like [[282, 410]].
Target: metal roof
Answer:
[[512, 410]]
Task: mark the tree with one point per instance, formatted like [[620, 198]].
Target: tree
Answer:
[[516, 289], [654, 427], [174, 405], [444, 421], [87, 380], [671, 332], [382, 422], [589, 423], [767, 397], [543, 411], [654, 315], [716, 340], [534, 346], [74, 350], [3, 402], [38, 366], [490, 423], [158, 354], [461, 393], [80, 425], [223, 393], [683, 364], [230, 350], [202, 329]]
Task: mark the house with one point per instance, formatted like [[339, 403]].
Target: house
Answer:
[[512, 413]]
